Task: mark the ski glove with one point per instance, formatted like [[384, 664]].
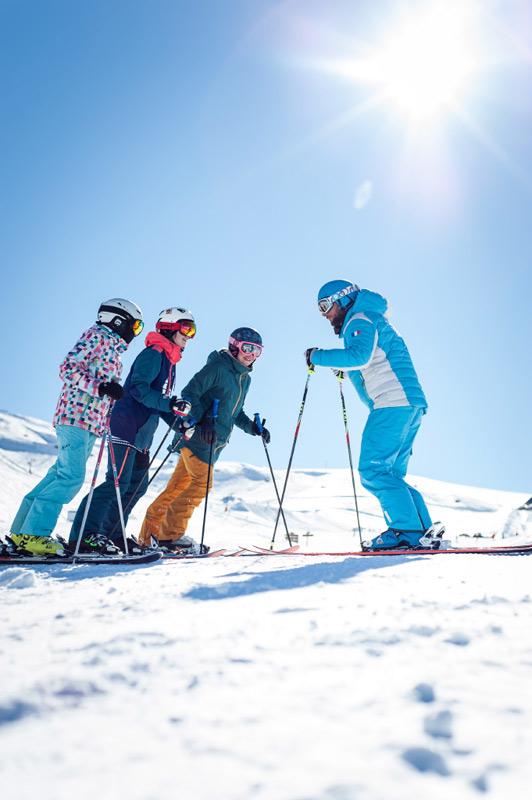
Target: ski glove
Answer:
[[261, 431], [179, 407], [188, 429], [308, 357], [207, 431], [111, 389]]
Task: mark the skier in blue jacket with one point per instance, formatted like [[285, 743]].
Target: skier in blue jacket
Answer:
[[378, 363], [146, 398]]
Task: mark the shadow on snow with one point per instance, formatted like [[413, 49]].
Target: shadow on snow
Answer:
[[296, 578]]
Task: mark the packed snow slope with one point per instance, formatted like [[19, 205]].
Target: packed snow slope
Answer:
[[276, 678]]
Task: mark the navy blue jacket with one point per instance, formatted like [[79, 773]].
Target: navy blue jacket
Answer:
[[136, 415]]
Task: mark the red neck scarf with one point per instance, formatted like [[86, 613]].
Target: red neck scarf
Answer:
[[160, 342]]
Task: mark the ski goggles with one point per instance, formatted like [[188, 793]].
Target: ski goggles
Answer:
[[249, 348], [137, 327], [187, 328], [326, 303]]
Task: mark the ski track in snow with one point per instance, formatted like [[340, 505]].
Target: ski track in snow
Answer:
[[285, 678]]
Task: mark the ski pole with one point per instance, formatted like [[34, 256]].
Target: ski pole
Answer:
[[214, 416], [91, 492], [117, 490], [260, 425], [296, 434], [139, 484], [340, 376], [171, 450]]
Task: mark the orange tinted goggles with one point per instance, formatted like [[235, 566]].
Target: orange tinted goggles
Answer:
[[187, 328]]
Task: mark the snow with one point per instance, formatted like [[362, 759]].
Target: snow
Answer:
[[275, 678]]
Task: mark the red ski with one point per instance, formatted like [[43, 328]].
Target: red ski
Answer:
[[500, 550], [265, 551]]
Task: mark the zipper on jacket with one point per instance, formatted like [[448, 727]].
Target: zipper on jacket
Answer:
[[242, 375]]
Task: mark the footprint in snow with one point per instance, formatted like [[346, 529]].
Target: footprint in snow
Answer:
[[459, 639], [439, 725], [424, 693], [424, 760]]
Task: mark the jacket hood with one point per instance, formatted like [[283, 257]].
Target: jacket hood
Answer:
[[370, 301]]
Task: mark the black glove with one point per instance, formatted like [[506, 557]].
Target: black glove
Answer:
[[179, 407], [308, 357], [111, 389], [261, 431], [207, 431]]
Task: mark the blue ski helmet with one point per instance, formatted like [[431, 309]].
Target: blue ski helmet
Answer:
[[338, 291], [245, 336]]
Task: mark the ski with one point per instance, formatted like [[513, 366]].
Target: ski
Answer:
[[501, 550], [81, 558], [176, 556], [265, 551]]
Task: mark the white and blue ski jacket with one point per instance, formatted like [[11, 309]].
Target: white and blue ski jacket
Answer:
[[375, 356]]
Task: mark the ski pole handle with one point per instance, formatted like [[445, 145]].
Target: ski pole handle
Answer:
[[258, 423], [215, 405]]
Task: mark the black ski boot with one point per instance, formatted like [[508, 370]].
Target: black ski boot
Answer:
[[98, 544], [135, 548]]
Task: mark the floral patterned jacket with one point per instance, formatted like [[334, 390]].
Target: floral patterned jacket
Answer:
[[94, 359]]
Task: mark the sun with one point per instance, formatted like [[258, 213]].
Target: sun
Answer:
[[425, 65], [422, 62]]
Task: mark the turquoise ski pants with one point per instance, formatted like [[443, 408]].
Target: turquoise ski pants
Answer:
[[384, 454], [40, 508]]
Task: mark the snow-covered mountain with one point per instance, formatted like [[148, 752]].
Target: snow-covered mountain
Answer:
[[284, 678]]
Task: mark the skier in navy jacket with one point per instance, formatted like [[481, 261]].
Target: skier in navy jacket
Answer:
[[378, 363], [147, 397]]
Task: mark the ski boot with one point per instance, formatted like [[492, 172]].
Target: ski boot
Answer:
[[183, 546], [98, 544], [36, 545], [135, 548], [394, 539]]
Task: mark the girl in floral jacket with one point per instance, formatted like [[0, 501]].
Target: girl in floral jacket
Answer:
[[90, 374]]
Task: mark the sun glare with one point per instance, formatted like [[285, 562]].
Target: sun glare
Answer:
[[425, 64]]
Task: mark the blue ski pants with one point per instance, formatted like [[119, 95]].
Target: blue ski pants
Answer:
[[104, 516], [384, 454], [39, 511]]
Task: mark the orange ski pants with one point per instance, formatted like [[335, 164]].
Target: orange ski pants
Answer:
[[167, 517]]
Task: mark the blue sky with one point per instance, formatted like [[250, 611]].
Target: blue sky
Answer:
[[221, 156]]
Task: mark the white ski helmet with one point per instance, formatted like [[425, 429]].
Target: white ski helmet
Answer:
[[175, 319], [122, 316]]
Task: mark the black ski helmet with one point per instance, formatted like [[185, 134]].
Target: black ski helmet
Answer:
[[243, 335]]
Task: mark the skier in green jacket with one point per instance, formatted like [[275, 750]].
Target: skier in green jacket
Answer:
[[226, 377]]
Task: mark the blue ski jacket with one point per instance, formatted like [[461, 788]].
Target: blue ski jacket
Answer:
[[375, 356], [136, 415]]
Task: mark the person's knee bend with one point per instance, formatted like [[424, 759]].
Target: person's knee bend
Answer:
[[371, 477]]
